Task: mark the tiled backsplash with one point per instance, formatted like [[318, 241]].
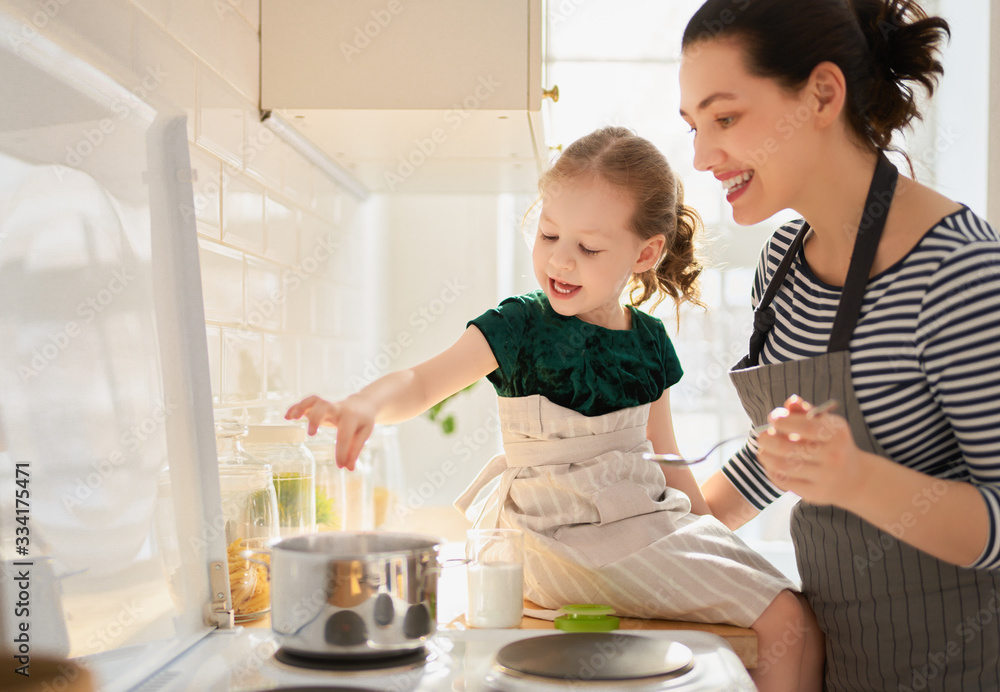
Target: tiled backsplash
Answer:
[[282, 250]]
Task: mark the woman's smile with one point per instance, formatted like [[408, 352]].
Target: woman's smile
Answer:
[[735, 183]]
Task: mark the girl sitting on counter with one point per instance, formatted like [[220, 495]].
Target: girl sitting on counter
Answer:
[[584, 390]]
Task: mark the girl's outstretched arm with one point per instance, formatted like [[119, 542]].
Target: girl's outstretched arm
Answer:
[[399, 395], [660, 431]]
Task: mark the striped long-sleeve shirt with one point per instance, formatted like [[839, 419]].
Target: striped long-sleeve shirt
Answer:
[[925, 356]]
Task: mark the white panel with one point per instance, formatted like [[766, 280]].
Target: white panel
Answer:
[[104, 379]]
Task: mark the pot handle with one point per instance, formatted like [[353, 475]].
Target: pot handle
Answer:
[[450, 562]]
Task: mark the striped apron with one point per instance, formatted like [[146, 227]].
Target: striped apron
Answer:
[[601, 526], [895, 618]]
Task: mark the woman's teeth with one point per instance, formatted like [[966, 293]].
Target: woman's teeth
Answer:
[[737, 181]]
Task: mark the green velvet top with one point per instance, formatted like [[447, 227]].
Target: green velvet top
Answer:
[[573, 363]]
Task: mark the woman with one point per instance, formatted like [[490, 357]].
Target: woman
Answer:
[[883, 298]]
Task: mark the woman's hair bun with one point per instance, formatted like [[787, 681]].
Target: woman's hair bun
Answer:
[[904, 43], [883, 47]]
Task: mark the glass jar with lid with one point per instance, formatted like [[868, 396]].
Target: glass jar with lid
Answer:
[[250, 516], [329, 504], [293, 468], [348, 496]]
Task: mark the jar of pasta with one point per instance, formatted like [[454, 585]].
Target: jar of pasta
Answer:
[[293, 467], [250, 520]]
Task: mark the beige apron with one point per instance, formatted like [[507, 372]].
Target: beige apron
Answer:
[[601, 526], [895, 618]]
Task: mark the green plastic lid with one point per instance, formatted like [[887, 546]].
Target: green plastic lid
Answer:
[[586, 617]]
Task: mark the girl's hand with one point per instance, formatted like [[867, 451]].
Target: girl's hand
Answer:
[[353, 417], [816, 458]]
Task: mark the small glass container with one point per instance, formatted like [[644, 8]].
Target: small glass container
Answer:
[[250, 516], [329, 503], [495, 560], [293, 467], [350, 493], [387, 476]]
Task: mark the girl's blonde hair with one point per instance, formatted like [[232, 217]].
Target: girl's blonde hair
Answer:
[[636, 166]]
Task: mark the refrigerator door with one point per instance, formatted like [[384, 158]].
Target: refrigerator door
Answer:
[[109, 496]]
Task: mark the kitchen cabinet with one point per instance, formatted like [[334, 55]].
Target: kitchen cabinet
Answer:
[[435, 96]]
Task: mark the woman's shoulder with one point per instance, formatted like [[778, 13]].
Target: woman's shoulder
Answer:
[[963, 227]]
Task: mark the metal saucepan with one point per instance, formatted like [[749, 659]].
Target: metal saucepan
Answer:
[[354, 593]]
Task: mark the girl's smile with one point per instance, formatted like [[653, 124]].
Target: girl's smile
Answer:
[[563, 290]]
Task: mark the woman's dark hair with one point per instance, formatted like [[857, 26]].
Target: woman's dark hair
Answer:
[[883, 47], [636, 167]]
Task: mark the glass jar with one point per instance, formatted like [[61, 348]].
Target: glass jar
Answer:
[[250, 515], [348, 495], [293, 468], [329, 505], [357, 494], [387, 476]]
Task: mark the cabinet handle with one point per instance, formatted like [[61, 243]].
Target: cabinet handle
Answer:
[[552, 93]]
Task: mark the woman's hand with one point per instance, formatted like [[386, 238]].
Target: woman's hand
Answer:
[[815, 458], [353, 417]]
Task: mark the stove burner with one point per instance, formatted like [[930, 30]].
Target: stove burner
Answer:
[[594, 657], [355, 664]]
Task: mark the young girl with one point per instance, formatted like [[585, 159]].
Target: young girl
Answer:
[[583, 384]]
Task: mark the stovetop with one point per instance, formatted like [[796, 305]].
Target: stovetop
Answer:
[[243, 660]]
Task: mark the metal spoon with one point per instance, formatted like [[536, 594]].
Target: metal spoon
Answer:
[[674, 460]]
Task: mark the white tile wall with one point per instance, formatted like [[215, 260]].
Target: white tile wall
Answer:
[[281, 311]]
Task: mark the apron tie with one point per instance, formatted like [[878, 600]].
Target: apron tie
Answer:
[[527, 449]]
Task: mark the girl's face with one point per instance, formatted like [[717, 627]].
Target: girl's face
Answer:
[[585, 253], [750, 133]]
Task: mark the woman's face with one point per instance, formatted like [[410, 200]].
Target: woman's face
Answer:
[[750, 133]]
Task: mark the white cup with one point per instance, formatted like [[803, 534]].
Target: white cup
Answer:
[[496, 577]]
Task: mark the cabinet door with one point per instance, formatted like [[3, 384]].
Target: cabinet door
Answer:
[[390, 54]]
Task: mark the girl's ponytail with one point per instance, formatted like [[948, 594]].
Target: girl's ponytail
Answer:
[[677, 273]]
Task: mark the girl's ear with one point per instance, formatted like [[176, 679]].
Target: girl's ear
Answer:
[[828, 90], [649, 254]]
